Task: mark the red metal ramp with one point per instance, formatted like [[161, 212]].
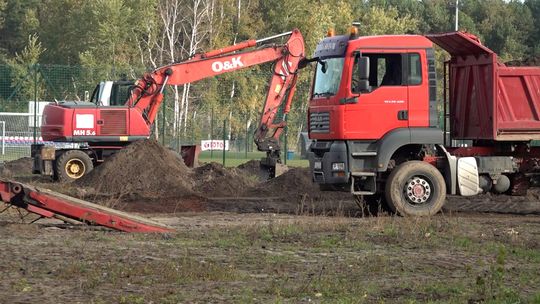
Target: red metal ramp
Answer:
[[50, 204]]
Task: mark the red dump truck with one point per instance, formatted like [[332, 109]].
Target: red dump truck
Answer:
[[374, 120]]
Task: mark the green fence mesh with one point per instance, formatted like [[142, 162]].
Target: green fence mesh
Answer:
[[236, 98]]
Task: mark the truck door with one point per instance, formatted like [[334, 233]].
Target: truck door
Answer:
[[418, 93], [385, 107]]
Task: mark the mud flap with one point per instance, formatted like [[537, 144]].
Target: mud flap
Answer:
[[270, 168]]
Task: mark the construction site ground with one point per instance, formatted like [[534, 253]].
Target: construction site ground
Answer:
[[241, 239]]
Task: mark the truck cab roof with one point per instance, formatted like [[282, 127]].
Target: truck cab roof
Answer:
[[391, 41]]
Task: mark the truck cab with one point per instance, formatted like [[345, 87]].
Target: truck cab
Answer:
[[373, 118], [370, 96]]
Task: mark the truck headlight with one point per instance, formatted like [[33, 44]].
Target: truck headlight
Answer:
[[338, 166]]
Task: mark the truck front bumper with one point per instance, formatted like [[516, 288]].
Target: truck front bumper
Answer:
[[329, 163]]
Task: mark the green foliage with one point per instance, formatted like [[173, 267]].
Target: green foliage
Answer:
[[381, 21], [26, 80], [112, 42], [3, 4], [114, 39]]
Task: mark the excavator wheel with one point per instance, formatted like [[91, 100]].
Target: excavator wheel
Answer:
[[72, 165]]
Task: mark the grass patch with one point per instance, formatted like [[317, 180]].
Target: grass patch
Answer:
[[280, 259]]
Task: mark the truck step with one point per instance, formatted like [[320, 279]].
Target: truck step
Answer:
[[364, 154], [361, 173], [50, 204], [363, 192]]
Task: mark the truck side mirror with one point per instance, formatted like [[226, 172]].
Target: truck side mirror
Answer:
[[363, 68], [363, 74]]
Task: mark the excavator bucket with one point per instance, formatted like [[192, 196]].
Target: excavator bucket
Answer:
[[190, 155], [270, 168], [280, 169]]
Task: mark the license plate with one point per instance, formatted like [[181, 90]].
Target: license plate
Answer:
[[317, 166]]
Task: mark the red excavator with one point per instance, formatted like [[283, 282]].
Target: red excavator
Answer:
[[91, 132]]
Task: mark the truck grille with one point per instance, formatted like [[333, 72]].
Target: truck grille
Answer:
[[114, 122], [319, 122]]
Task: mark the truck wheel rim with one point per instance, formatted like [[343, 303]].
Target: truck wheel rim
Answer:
[[75, 168], [417, 190]]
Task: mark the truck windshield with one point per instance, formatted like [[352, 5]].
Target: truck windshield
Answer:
[[328, 77]]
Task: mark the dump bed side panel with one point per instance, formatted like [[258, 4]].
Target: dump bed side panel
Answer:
[[518, 104], [489, 101], [471, 96]]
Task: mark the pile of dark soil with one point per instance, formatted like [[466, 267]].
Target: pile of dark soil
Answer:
[[296, 184], [144, 169], [251, 167], [18, 167], [532, 61], [292, 192], [213, 180]]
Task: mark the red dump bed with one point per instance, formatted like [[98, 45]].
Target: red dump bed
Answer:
[[488, 100]]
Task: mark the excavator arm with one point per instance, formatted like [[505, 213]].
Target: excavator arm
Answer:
[[147, 94]]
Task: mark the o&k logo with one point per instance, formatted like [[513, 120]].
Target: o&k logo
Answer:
[[219, 66]]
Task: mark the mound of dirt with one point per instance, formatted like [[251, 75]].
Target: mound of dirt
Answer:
[[297, 185], [143, 169], [18, 167], [213, 180], [251, 167]]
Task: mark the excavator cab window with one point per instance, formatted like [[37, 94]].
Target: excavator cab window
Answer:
[[109, 93], [120, 92]]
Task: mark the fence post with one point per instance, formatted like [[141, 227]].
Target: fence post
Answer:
[[224, 138], [35, 66], [286, 140], [3, 137], [212, 133], [247, 136]]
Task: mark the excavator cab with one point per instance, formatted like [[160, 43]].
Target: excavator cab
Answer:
[[112, 93]]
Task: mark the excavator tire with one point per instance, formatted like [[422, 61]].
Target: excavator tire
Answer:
[[72, 165]]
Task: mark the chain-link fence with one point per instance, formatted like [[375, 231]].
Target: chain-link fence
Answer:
[[226, 107], [17, 134]]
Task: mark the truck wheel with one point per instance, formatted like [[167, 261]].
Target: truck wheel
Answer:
[[72, 165], [415, 188]]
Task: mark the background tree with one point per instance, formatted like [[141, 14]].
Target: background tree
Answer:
[[25, 74], [91, 41]]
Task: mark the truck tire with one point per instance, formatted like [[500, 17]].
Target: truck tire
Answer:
[[415, 188], [72, 165]]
